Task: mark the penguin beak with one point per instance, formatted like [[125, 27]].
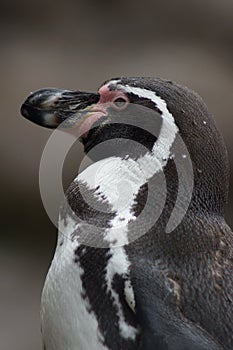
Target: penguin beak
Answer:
[[51, 107]]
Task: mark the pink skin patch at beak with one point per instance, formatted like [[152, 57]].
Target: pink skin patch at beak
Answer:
[[90, 119], [107, 98]]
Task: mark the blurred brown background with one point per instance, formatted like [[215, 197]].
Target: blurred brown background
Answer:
[[77, 45]]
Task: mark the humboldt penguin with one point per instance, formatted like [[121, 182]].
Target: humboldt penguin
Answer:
[[144, 255]]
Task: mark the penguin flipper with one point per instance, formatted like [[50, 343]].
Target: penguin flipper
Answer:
[[175, 334], [163, 326]]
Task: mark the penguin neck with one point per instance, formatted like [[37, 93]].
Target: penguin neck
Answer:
[[118, 181], [120, 178]]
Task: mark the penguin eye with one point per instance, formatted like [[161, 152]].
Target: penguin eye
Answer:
[[119, 102]]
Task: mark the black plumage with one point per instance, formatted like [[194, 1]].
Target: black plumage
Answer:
[[182, 280]]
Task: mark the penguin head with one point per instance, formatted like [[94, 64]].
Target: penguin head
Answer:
[[113, 114], [131, 116]]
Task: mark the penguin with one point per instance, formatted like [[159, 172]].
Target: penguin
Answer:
[[119, 278]]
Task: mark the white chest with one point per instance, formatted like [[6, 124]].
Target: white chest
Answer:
[[67, 322]]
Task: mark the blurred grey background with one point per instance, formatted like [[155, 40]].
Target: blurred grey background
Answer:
[[78, 45]]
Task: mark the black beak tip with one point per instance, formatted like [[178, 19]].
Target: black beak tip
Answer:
[[50, 107], [26, 110], [39, 107]]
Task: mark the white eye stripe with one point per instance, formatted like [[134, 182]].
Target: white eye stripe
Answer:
[[151, 95], [168, 132]]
